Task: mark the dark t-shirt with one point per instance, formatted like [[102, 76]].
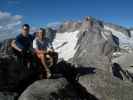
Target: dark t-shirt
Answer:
[[24, 42]]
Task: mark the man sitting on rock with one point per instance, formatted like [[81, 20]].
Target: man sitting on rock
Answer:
[[23, 42]]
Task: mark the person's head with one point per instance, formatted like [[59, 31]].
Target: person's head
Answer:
[[25, 29], [41, 33]]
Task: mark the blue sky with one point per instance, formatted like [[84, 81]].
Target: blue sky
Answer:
[[43, 12]]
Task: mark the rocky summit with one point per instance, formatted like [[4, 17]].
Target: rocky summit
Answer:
[[95, 63]]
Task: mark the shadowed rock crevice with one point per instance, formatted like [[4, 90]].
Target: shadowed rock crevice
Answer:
[[14, 76], [121, 73]]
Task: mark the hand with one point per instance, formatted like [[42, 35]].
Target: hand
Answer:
[[48, 56], [13, 44], [49, 50], [20, 50]]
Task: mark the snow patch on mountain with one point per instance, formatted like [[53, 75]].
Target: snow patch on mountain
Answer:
[[125, 41], [65, 43], [131, 33]]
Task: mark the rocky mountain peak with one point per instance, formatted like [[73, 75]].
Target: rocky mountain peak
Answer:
[[69, 26]]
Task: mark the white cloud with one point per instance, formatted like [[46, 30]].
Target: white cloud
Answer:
[[14, 2], [12, 25], [1, 27], [9, 24]]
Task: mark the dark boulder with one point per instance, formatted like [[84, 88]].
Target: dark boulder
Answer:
[[8, 96], [14, 76]]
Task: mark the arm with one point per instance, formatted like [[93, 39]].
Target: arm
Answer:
[[13, 44]]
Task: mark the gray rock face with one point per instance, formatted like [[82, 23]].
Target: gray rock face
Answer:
[[69, 26], [105, 87], [90, 22], [87, 23], [94, 48], [52, 89], [50, 34]]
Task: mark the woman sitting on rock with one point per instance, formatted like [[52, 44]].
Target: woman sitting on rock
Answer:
[[42, 47]]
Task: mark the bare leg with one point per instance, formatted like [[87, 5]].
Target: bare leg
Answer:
[[48, 74]]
